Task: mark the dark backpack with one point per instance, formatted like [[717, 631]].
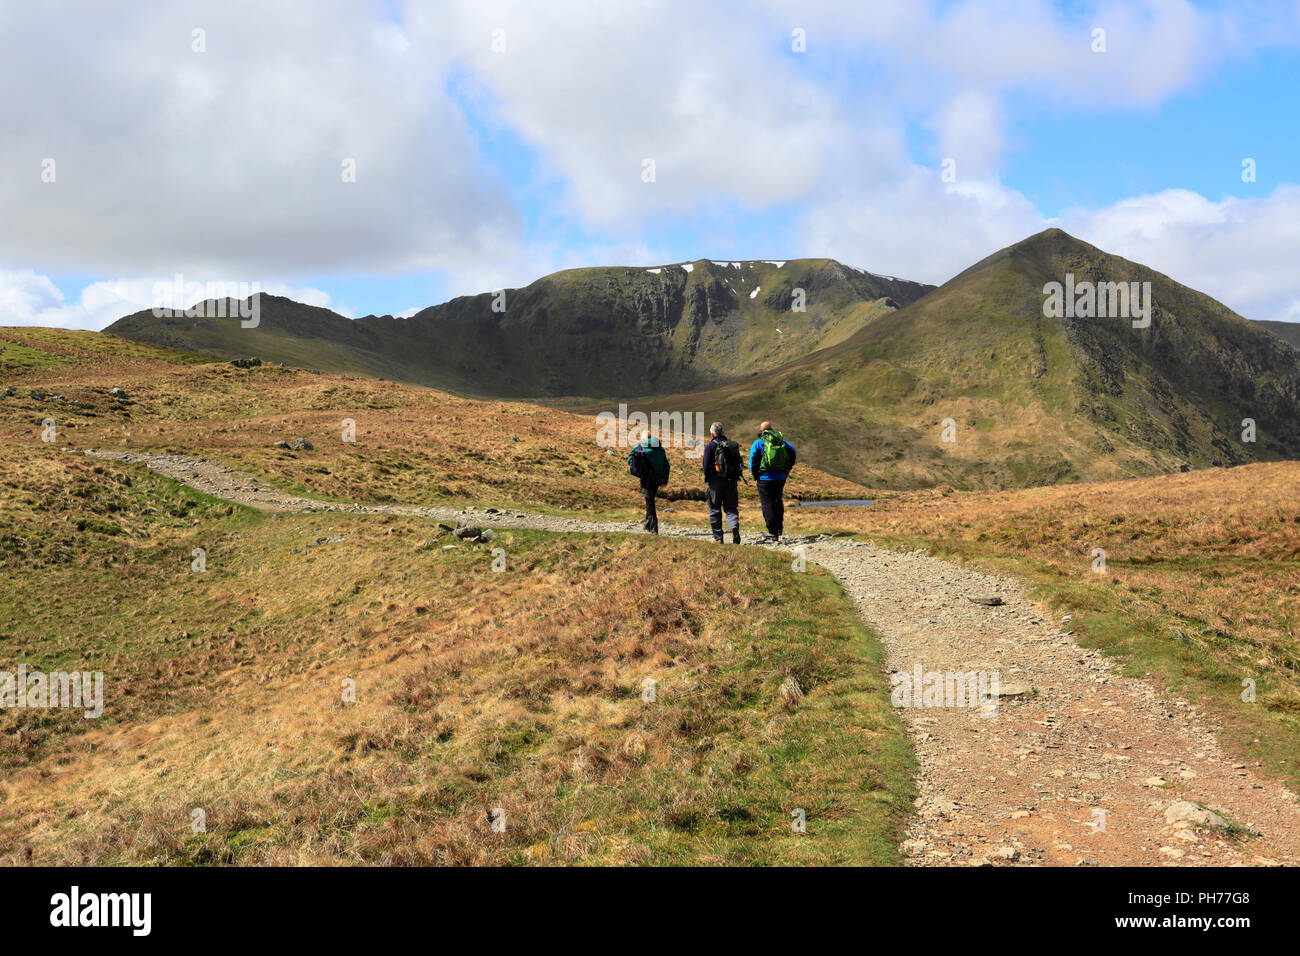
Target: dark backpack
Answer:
[[643, 463], [726, 459], [775, 456]]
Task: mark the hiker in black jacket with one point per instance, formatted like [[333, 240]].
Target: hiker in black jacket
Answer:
[[722, 469], [648, 462]]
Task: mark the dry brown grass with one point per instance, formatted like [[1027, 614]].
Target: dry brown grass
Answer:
[[413, 445], [476, 690]]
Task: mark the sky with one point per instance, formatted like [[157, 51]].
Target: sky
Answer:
[[380, 157]]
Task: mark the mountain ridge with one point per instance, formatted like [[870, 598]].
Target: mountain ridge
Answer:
[[1288, 332], [1033, 399], [578, 331], [868, 377]]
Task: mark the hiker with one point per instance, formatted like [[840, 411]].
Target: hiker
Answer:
[[722, 470], [770, 461], [648, 462]]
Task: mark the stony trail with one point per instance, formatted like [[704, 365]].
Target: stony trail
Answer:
[[1078, 765]]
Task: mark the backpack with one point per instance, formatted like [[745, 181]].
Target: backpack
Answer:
[[726, 459], [775, 456], [644, 464]]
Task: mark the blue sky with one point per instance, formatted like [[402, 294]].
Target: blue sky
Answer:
[[498, 141], [1194, 140]]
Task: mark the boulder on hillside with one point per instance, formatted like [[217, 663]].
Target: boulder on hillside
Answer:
[[1185, 812]]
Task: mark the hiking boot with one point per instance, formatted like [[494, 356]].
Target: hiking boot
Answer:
[[718, 538], [735, 536]]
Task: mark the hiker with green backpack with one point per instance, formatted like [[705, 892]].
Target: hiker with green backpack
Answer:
[[770, 459], [648, 462], [722, 470]]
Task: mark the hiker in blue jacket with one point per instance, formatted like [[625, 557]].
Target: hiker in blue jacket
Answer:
[[770, 459]]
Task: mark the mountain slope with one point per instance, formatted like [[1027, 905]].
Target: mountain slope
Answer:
[[1288, 332], [578, 332], [1033, 399], [411, 444]]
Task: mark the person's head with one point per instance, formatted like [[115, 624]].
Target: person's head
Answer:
[[647, 439], [766, 426], [715, 429]]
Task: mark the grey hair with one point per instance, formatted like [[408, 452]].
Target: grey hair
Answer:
[[715, 428]]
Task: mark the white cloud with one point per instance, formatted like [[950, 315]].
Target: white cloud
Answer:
[[601, 88], [969, 127], [1242, 252], [1153, 49], [231, 160], [917, 227], [25, 294]]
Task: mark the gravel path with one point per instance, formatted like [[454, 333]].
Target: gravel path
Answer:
[[1076, 765]]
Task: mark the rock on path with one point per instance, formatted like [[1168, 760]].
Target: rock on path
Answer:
[[1078, 766]]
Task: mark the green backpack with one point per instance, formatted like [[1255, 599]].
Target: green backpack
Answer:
[[775, 456]]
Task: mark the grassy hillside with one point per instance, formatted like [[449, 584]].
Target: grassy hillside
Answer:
[[596, 332], [25, 349], [1288, 332], [1032, 400], [477, 692], [413, 445]]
